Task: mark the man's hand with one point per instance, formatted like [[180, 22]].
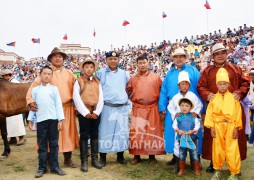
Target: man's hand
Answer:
[[210, 97], [177, 114], [163, 112], [236, 96], [60, 125], [30, 124], [33, 106], [213, 134], [235, 133], [194, 114]]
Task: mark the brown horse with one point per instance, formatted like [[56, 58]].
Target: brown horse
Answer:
[[12, 102], [13, 98]]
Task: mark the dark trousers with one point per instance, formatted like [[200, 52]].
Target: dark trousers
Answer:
[[47, 133], [88, 127], [251, 140], [193, 153]]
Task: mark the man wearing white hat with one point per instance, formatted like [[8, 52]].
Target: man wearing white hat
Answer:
[[168, 90], [239, 87], [14, 124]]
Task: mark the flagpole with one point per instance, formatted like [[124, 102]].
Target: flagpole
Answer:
[[39, 49], [93, 42], [163, 29], [125, 38], [207, 27]]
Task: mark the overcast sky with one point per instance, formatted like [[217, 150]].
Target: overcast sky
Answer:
[[22, 20]]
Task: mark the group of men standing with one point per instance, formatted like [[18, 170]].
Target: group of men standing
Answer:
[[143, 134]]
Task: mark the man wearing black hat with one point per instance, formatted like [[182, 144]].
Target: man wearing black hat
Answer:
[[63, 79], [113, 129]]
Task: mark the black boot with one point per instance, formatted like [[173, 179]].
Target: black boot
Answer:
[[173, 161], [120, 158], [210, 168], [68, 161], [177, 164], [103, 159], [83, 155], [94, 153]]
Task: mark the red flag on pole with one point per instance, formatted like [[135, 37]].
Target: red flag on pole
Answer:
[[65, 37], [11, 44], [94, 33], [36, 40], [207, 5], [125, 23], [164, 15]]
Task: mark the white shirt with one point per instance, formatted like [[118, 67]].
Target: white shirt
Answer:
[[174, 108], [82, 109]]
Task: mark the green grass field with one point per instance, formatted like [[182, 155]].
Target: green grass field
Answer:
[[22, 164]]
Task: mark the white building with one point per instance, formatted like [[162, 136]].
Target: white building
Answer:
[[9, 57], [75, 50]]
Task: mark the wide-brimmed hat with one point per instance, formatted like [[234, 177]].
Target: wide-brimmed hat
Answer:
[[5, 72], [219, 47], [251, 71], [178, 52], [56, 51], [88, 60]]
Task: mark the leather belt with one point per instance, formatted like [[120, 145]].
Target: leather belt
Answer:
[[114, 105]]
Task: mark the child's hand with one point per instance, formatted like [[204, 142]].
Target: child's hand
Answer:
[[190, 132], [177, 114], [60, 125], [89, 116], [213, 134], [180, 132], [194, 114], [235, 133], [94, 116]]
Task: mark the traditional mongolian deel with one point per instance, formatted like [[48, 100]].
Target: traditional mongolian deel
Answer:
[[146, 133], [168, 90], [114, 122]]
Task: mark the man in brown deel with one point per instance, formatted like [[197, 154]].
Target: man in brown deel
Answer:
[[207, 89], [63, 79]]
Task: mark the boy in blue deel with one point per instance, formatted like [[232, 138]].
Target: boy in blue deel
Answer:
[[187, 127]]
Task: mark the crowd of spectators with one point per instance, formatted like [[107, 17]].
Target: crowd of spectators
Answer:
[[239, 41]]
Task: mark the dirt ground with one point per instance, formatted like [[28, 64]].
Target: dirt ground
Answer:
[[22, 164]]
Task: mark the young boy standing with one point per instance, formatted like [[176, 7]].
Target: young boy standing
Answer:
[[88, 98], [49, 119], [223, 117], [174, 108], [186, 126]]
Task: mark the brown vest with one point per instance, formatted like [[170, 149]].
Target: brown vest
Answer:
[[89, 92]]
